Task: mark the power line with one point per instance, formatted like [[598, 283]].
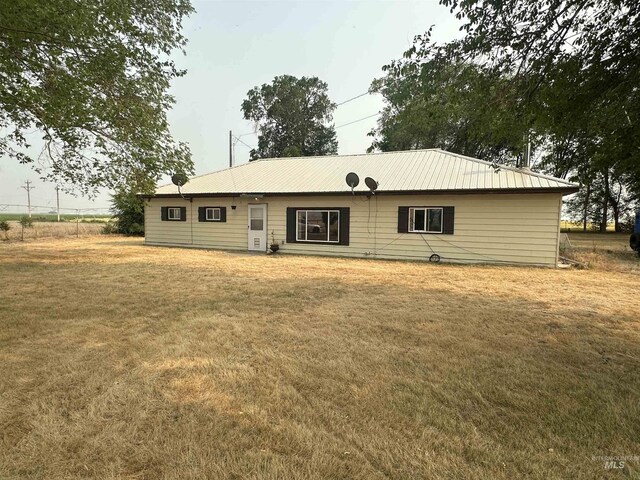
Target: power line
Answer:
[[359, 120], [28, 188], [351, 99], [245, 134], [238, 139]]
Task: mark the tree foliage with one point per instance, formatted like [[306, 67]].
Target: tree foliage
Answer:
[[25, 222], [5, 227], [436, 101], [292, 116], [563, 74], [92, 78], [127, 208]]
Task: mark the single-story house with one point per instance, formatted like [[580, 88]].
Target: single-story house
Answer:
[[428, 204]]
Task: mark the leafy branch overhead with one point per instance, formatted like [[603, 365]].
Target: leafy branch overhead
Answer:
[[293, 118], [92, 78]]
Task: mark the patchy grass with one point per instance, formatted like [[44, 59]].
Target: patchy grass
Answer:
[[618, 242], [42, 229], [603, 251], [52, 217], [124, 361]]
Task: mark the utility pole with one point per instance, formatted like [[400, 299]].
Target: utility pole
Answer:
[[28, 188], [230, 149], [58, 201]]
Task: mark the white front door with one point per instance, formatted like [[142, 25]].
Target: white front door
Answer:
[[258, 227]]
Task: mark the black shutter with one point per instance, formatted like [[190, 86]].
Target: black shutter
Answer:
[[202, 214], [164, 213], [447, 220], [291, 225], [403, 219], [344, 226], [183, 214], [223, 214]]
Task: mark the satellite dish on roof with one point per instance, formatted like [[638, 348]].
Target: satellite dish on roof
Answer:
[[352, 180], [371, 183], [179, 179]]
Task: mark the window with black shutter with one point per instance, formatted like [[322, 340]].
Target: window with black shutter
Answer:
[[212, 214], [173, 214], [426, 220], [318, 225]]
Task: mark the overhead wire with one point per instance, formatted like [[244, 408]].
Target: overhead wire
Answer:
[[245, 134], [242, 142], [238, 137], [353, 98], [359, 120]]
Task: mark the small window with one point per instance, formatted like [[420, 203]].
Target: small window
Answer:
[[173, 213], [213, 214], [425, 220], [318, 226]]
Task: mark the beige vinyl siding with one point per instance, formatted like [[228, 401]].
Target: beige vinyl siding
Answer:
[[229, 235], [487, 228]]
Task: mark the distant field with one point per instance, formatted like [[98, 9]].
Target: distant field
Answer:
[[600, 241], [52, 217], [43, 229], [577, 226], [125, 361]]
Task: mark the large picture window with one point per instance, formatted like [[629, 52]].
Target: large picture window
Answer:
[[425, 220], [318, 226]]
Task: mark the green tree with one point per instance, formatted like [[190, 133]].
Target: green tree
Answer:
[[127, 206], [93, 78], [577, 66], [292, 115], [25, 222], [5, 227], [561, 74], [433, 100], [128, 211]]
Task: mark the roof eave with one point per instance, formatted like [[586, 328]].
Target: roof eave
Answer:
[[569, 189]]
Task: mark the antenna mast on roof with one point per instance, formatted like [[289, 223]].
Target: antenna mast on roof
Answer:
[[526, 154]]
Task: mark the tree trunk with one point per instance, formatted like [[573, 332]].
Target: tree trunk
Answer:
[[615, 200], [585, 211], [605, 202]]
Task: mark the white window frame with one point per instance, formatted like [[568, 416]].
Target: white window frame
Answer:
[[306, 231], [412, 219], [171, 213], [213, 217]]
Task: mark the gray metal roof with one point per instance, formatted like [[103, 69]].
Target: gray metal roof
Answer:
[[406, 171]]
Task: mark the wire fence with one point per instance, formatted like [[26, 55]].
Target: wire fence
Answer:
[[48, 210], [48, 222]]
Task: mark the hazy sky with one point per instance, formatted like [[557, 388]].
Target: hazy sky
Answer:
[[236, 45]]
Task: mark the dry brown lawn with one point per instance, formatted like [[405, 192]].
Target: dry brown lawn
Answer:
[[124, 361]]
